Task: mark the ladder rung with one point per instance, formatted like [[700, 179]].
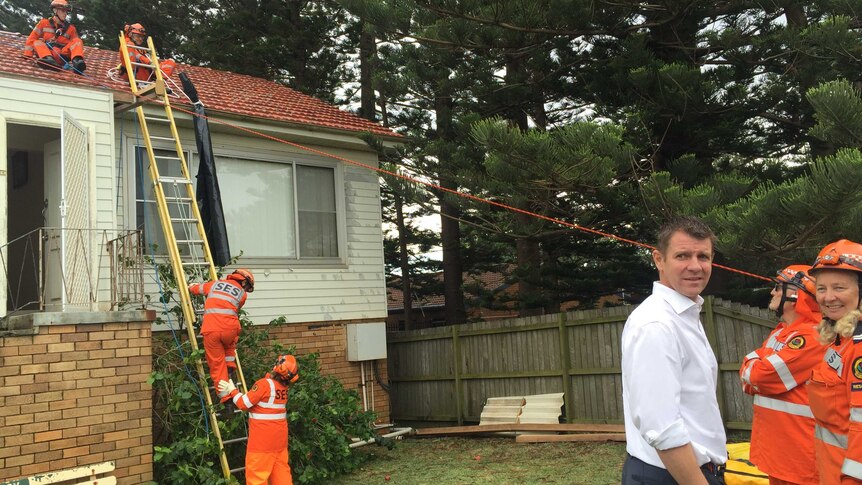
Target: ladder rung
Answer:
[[234, 470], [196, 263], [162, 138], [173, 180], [183, 219], [138, 47], [190, 241], [235, 440], [157, 120], [178, 199], [164, 157], [142, 64]]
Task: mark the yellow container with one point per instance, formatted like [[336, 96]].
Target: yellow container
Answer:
[[740, 471]]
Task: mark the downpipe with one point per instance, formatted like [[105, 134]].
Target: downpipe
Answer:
[[397, 432]]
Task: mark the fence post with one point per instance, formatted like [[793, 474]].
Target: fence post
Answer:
[[456, 355], [566, 365], [712, 336]]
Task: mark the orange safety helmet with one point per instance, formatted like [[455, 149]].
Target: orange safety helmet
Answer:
[[60, 4], [797, 275], [244, 278], [286, 368], [134, 29], [843, 254]]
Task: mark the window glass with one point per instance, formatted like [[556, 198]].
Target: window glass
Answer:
[[318, 236]]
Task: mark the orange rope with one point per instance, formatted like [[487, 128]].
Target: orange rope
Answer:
[[452, 191]]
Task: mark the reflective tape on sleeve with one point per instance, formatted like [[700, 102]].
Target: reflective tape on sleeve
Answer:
[[782, 370], [856, 415]]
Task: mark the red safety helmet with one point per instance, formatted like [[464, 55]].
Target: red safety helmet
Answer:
[[797, 275], [244, 278], [843, 254], [286, 368], [63, 4], [135, 29]]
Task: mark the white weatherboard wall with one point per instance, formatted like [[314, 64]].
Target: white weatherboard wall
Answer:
[[31, 102], [301, 292]]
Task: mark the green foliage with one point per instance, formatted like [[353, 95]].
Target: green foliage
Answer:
[[839, 113], [322, 414]]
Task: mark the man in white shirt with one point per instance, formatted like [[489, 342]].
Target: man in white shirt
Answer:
[[674, 431]]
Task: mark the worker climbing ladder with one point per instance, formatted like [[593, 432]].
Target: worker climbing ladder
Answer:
[[178, 212]]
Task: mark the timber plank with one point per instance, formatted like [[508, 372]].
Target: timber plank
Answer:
[[496, 428], [553, 438]]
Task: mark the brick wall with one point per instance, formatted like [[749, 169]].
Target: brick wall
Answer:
[[330, 341], [73, 392]]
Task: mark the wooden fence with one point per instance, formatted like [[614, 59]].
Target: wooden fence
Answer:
[[447, 373]]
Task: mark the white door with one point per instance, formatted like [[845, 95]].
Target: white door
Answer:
[[77, 237], [53, 259]]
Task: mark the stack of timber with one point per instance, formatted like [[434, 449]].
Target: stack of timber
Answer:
[[571, 431], [541, 408]]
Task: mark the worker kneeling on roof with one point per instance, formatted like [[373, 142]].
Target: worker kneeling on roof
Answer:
[[55, 42], [266, 458], [136, 37], [221, 325]]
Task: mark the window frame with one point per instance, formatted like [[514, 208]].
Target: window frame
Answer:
[[268, 156]]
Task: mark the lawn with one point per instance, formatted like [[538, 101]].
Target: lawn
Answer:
[[438, 461]]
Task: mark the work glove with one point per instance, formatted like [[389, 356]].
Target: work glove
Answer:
[[226, 387]]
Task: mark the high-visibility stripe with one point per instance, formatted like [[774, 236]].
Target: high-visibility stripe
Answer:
[[271, 391], [856, 415], [220, 311], [746, 376], [269, 405], [783, 406], [752, 355], [222, 296], [49, 30], [267, 417], [852, 468], [782, 370], [245, 400], [200, 289], [830, 438], [230, 358]]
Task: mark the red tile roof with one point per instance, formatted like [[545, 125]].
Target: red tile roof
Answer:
[[223, 91]]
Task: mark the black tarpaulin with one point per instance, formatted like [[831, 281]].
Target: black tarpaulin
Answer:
[[208, 193]]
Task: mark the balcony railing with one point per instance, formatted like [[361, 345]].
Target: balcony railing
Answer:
[[61, 269]]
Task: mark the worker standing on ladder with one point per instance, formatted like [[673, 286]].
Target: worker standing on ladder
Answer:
[[266, 458], [221, 325], [136, 35]]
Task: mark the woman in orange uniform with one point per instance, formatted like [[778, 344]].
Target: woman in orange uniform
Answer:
[[835, 388], [136, 36], [782, 433]]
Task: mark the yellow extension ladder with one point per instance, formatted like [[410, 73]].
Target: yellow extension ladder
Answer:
[[178, 211]]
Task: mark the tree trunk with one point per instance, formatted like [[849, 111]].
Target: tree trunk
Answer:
[[450, 213], [367, 58], [404, 257]]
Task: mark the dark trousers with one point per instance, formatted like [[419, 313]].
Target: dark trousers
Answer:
[[638, 472]]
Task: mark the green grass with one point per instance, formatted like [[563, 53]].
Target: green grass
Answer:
[[443, 461]]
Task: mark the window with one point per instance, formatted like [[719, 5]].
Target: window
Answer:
[[274, 210]]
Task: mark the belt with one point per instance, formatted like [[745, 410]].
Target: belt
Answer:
[[715, 469]]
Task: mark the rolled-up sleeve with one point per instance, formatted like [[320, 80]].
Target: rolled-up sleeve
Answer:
[[652, 370]]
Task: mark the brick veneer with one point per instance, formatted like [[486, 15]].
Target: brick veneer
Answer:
[[74, 394], [330, 341]]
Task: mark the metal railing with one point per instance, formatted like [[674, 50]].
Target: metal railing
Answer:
[[60, 269]]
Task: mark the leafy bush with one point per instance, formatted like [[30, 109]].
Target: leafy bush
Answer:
[[322, 414]]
